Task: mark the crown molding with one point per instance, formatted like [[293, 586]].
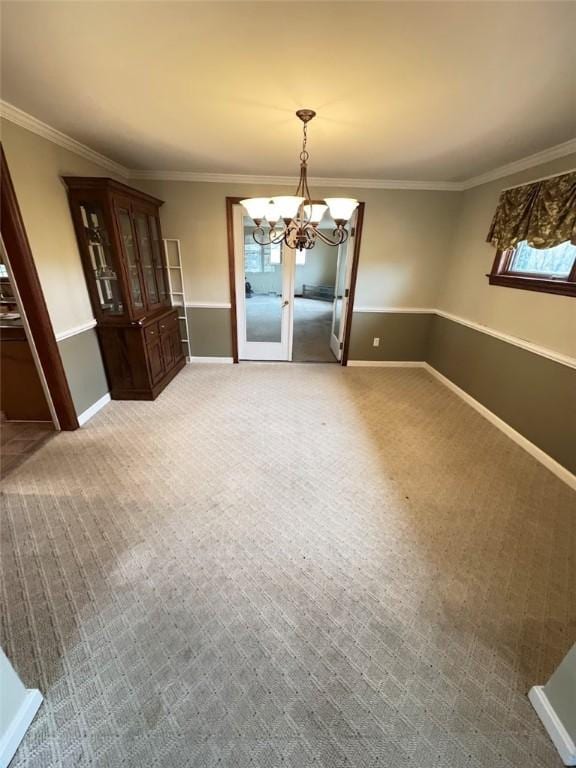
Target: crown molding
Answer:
[[552, 153], [319, 181], [23, 119]]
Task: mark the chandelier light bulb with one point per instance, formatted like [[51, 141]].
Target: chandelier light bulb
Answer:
[[315, 212], [272, 213], [341, 208], [256, 207], [288, 206]]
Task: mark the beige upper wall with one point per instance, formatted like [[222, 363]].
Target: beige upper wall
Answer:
[[36, 166], [540, 318], [404, 239]]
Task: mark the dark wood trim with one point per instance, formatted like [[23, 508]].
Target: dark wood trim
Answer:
[[230, 203], [105, 183], [356, 256], [502, 276], [30, 290], [559, 287]]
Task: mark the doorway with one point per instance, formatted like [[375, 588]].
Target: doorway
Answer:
[[35, 397], [26, 411], [289, 305]]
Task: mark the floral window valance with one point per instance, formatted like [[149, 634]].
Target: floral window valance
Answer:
[[542, 213]]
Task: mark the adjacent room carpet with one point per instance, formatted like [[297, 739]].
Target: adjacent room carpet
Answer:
[[287, 565], [312, 330]]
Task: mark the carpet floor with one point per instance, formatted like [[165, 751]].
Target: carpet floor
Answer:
[[312, 330], [287, 565]]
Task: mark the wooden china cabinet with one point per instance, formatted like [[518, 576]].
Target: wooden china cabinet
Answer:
[[118, 231]]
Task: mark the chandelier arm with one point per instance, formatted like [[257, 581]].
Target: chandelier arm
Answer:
[[266, 239], [340, 235]]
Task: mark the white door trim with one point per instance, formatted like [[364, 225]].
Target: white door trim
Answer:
[[258, 350], [337, 343]]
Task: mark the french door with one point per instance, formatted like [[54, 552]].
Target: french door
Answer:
[[342, 291], [264, 294]]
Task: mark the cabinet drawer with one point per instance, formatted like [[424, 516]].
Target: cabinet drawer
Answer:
[[151, 332], [168, 323]]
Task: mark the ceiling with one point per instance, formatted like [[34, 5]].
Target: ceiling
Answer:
[[403, 90]]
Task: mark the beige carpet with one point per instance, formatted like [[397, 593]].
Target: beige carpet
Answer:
[[312, 329], [287, 565]]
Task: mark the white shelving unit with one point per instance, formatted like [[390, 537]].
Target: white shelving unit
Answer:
[[173, 260]]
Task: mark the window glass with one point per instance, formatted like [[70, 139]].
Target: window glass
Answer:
[[260, 258], [551, 262]]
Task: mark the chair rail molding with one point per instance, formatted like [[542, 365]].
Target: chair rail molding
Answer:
[[537, 349], [396, 310], [551, 354], [76, 330]]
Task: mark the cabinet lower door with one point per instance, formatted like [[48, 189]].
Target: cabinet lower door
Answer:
[[168, 350], [156, 359]]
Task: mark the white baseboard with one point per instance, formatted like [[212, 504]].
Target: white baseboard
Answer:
[[550, 720], [93, 410], [14, 734], [550, 463], [209, 360], [385, 364]]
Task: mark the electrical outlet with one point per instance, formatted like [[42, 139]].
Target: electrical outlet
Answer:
[[376, 342]]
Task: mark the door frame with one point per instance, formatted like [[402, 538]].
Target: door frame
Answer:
[[337, 343], [230, 203], [29, 289]]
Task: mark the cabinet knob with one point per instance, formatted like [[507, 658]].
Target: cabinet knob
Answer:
[[162, 326], [151, 333]]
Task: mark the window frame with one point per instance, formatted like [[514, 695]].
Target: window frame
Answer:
[[266, 265], [501, 275]]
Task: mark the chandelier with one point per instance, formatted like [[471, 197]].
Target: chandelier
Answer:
[[294, 219]]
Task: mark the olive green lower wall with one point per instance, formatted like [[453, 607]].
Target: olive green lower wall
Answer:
[[210, 331], [533, 394], [403, 336], [84, 369]]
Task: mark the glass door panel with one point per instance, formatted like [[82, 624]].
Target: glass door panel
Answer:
[[125, 224], [263, 291], [264, 277], [146, 259], [157, 258], [105, 278]]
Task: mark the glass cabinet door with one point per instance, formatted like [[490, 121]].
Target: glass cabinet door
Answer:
[[131, 256], [106, 286], [158, 260], [146, 258]]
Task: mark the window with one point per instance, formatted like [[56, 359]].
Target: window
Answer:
[[260, 258], [551, 270]]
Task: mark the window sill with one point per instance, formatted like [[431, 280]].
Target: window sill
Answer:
[[559, 287]]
